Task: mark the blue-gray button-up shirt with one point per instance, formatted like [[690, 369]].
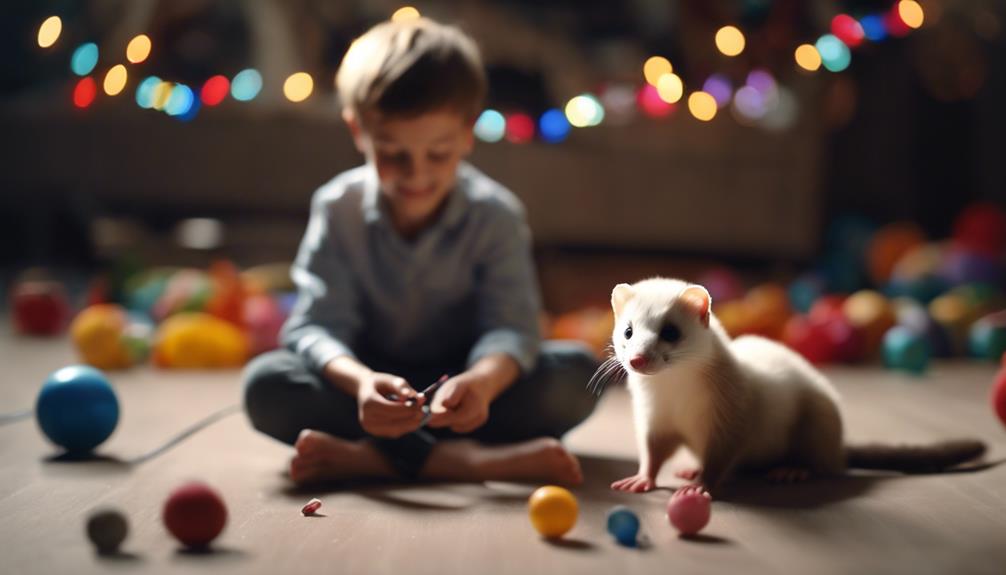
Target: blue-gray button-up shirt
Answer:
[[464, 288]]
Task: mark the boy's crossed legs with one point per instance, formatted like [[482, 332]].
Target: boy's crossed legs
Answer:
[[519, 441]]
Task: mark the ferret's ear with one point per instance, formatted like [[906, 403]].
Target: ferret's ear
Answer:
[[698, 300], [619, 296]]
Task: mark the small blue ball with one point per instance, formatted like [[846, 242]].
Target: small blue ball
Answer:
[[906, 349], [623, 524], [77, 408]]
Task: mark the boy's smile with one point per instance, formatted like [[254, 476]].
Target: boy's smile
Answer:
[[416, 161]]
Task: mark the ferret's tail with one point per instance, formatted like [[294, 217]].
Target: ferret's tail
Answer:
[[914, 458]]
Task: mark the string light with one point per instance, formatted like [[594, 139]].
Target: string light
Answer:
[[298, 87], [49, 31], [246, 85], [655, 67], [848, 30], [215, 90], [519, 128], [834, 53], [911, 13], [138, 49], [115, 80], [553, 126], [584, 111], [405, 13], [84, 59], [702, 105], [160, 95], [719, 87], [730, 40], [670, 88], [807, 57], [179, 101], [490, 126], [84, 92], [652, 104], [145, 92], [874, 27]]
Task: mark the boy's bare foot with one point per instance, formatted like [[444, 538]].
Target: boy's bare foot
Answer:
[[542, 459], [322, 457]]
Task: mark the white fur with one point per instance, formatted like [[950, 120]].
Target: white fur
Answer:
[[772, 389]]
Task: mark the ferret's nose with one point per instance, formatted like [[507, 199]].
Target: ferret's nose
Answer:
[[638, 362]]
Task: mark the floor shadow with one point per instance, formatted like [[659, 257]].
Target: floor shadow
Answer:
[[571, 544], [91, 463], [818, 492], [211, 553], [705, 539], [124, 557]]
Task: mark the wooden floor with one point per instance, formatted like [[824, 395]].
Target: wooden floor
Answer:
[[862, 524]]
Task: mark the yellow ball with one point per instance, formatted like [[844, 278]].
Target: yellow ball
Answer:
[[97, 334], [553, 510], [196, 340]]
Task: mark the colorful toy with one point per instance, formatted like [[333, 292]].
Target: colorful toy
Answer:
[[827, 308], [734, 316], [107, 529], [195, 340], [988, 336], [770, 310], [906, 349], [954, 315], [195, 514], [804, 291], [722, 284], [312, 507], [872, 314], [981, 227], [809, 339], [689, 509], [961, 266], [623, 524], [187, 290], [553, 510], [39, 307], [263, 319], [999, 395], [227, 293], [888, 246], [981, 298], [107, 337], [911, 314], [268, 278], [77, 408]]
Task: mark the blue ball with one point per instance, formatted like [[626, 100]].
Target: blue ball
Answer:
[[77, 408], [623, 524], [906, 349]]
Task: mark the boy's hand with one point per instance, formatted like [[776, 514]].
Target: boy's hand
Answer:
[[462, 403], [381, 399]]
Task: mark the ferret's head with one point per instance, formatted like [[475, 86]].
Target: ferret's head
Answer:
[[660, 323]]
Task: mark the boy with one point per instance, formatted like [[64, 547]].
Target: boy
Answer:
[[416, 265]]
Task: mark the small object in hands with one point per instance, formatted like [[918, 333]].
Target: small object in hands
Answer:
[[428, 393], [623, 524], [107, 529], [553, 510], [311, 507], [688, 509], [195, 514]]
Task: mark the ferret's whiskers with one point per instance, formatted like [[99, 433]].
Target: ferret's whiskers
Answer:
[[609, 370]]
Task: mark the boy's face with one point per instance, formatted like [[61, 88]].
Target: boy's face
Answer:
[[416, 160]]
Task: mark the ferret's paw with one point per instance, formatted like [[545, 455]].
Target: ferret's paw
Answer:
[[690, 489], [634, 484], [689, 474], [788, 475]]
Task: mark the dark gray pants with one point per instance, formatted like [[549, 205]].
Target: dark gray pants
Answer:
[[282, 397]]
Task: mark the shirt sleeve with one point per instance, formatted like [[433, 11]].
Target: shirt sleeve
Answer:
[[507, 291], [324, 321]]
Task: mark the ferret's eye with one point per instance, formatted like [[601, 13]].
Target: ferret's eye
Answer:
[[628, 331], [670, 333]]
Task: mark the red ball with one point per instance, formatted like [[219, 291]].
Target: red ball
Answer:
[[846, 340], [981, 227], [40, 307], [195, 514], [689, 512], [809, 339], [999, 395], [827, 308]]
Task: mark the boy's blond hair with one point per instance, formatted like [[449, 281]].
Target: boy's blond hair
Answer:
[[409, 68]]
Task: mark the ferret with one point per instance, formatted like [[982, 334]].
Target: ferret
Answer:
[[745, 403]]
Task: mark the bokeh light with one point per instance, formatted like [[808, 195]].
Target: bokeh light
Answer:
[[160, 95], [651, 103], [584, 111], [762, 80], [807, 57], [911, 13], [145, 92], [519, 128], [215, 90], [834, 53], [655, 67], [138, 49], [730, 40], [192, 112], [749, 104], [115, 80], [49, 31], [553, 126], [490, 127], [84, 92], [405, 13], [246, 85], [895, 25], [298, 87], [619, 101], [874, 27], [848, 30], [84, 59], [719, 87], [702, 105], [670, 88], [179, 101], [783, 114]]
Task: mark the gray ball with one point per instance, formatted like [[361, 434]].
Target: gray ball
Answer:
[[107, 529]]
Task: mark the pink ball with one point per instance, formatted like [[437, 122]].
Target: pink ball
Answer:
[[689, 512]]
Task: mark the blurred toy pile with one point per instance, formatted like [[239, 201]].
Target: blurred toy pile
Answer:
[[880, 293], [176, 317]]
